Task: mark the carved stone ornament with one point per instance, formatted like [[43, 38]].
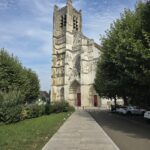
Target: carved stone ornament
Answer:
[[75, 69], [86, 67], [68, 56], [77, 40]]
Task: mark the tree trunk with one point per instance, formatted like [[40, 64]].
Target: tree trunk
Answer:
[[115, 101], [125, 100]]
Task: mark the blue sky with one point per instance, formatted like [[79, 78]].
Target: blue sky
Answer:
[[26, 28]]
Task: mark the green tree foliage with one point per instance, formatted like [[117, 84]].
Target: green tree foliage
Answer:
[[19, 88], [124, 66], [10, 71], [31, 86], [13, 76]]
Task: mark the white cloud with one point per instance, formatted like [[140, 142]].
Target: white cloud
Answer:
[[29, 38], [97, 21], [26, 29]]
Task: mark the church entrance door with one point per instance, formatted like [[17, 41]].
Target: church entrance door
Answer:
[[95, 101], [75, 93], [78, 99]]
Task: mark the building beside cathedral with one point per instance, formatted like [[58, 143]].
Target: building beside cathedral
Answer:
[[74, 59]]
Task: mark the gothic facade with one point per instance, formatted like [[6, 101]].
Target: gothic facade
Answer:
[[74, 59]]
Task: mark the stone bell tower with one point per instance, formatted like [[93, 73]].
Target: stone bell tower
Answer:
[[66, 21], [74, 59]]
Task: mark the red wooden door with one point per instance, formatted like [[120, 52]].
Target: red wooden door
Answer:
[[95, 101], [78, 99]]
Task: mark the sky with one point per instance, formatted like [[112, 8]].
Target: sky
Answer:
[[26, 28]]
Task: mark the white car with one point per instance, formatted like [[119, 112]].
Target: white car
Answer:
[[147, 115], [134, 110], [122, 110], [130, 110]]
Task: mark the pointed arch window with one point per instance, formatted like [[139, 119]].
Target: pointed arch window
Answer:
[[63, 21], [75, 23]]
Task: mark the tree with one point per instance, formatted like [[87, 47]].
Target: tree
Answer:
[[10, 71], [32, 86], [13, 76], [124, 66]]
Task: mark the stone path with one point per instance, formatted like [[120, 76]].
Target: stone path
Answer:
[[80, 132]]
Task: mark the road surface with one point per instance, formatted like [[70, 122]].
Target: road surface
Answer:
[[127, 133]]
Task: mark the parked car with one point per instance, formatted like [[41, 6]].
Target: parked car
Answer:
[[122, 110], [114, 108], [147, 115], [130, 110], [134, 110]]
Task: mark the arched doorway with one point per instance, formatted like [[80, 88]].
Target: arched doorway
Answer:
[[75, 93], [93, 97]]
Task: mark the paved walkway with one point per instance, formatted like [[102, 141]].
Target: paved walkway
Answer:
[[80, 132]]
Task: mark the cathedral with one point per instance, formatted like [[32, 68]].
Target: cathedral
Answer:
[[74, 60]]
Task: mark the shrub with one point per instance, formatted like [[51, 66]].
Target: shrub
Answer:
[[10, 106], [48, 109], [70, 108], [11, 98], [57, 107], [62, 106], [10, 114], [32, 111]]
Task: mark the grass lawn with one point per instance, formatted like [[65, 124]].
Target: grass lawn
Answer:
[[30, 134]]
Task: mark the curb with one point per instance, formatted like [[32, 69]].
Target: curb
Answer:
[[114, 144]]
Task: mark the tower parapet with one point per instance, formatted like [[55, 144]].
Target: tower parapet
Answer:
[[69, 2]]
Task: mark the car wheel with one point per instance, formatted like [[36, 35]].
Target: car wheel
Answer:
[[129, 113]]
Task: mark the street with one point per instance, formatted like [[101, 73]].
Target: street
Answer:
[[129, 133]]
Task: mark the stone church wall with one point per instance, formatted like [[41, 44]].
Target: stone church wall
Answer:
[[74, 59]]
